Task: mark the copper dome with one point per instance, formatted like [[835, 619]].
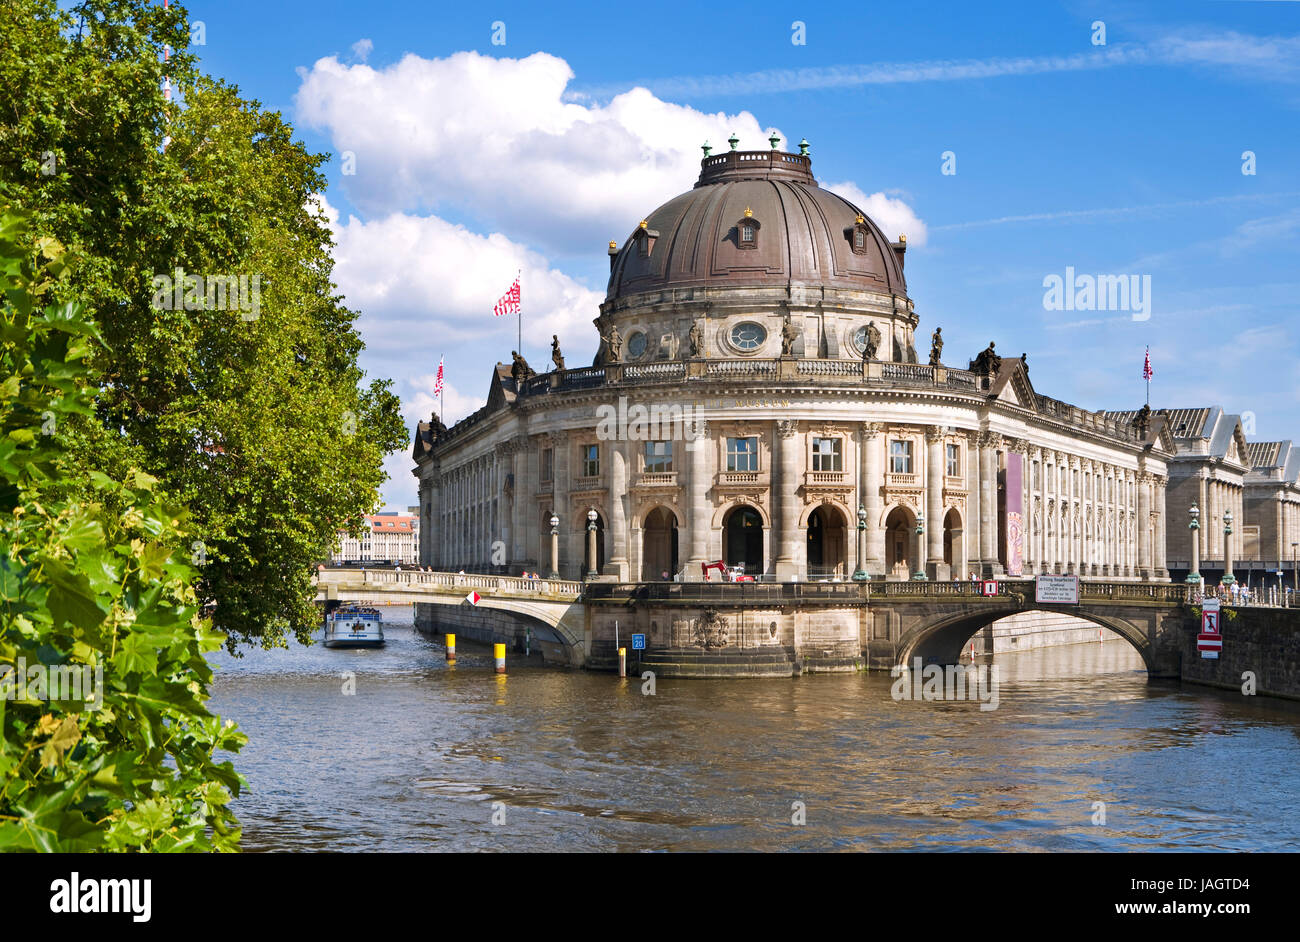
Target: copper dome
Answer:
[[804, 235]]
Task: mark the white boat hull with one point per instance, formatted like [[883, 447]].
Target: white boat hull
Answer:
[[353, 631]]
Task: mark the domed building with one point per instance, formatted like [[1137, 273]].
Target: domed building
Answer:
[[757, 400]]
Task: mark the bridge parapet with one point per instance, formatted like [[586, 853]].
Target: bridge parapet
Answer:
[[449, 581]]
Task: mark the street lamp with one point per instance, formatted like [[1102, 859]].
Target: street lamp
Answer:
[[555, 547], [1228, 578], [1194, 577], [919, 575], [860, 574], [591, 543], [1295, 576]]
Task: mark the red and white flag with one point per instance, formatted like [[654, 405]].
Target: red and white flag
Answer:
[[509, 303], [437, 384], [1146, 367]]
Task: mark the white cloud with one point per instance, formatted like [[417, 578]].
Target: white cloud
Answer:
[[496, 142], [893, 216], [361, 49], [420, 281]]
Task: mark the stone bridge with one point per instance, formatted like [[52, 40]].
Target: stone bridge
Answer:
[[888, 623], [508, 606]]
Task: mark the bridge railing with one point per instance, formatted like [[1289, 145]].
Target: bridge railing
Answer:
[[506, 585], [775, 592]]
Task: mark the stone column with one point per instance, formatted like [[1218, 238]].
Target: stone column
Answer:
[[573, 519], [617, 536], [872, 477], [989, 503], [974, 507], [699, 516], [518, 505], [1161, 548], [935, 567], [786, 498], [1144, 525]]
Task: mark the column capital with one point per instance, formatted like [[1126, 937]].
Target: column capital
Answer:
[[989, 439], [935, 433], [870, 430], [787, 428]]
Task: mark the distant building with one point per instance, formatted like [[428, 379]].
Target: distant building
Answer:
[[387, 538], [1273, 500]]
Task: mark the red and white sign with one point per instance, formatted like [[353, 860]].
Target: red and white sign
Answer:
[[1210, 623], [1209, 645], [473, 597], [990, 587]]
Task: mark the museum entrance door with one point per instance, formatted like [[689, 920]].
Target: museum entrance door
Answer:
[[742, 539]]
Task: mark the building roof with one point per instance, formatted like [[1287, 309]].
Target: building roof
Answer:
[[1267, 454], [804, 234]]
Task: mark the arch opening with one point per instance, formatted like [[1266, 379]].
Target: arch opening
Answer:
[[900, 532], [742, 539], [659, 546], [827, 543]]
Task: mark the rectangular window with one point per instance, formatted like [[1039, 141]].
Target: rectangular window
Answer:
[[858, 239], [590, 461], [548, 463], [1033, 476], [826, 454], [954, 460], [658, 457], [747, 234], [900, 457], [742, 454]]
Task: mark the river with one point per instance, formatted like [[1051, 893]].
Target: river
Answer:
[[423, 757]]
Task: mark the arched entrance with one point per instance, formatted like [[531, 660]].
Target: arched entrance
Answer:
[[952, 545], [742, 539], [827, 542], [658, 545], [900, 531]]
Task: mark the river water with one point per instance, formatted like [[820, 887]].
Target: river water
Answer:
[[423, 757]]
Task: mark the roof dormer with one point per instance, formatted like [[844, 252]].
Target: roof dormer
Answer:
[[747, 230], [645, 239]]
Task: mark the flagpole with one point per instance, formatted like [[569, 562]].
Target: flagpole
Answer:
[[519, 274]]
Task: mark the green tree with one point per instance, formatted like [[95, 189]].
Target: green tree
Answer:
[[122, 757], [257, 419]]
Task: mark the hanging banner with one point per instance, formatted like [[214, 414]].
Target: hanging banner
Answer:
[[1015, 514]]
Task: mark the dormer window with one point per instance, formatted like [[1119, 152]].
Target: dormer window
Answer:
[[747, 230], [644, 237], [858, 235]]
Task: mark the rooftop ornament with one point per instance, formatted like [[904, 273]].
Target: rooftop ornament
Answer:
[[803, 147], [733, 140], [861, 219], [706, 147], [748, 212], [902, 238], [774, 140], [644, 224]]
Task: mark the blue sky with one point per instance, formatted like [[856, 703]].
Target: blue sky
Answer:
[[474, 160]]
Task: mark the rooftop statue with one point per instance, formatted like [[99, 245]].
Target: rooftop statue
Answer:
[[788, 336], [873, 342], [696, 338], [613, 344], [520, 370], [936, 346], [556, 356], [988, 361]]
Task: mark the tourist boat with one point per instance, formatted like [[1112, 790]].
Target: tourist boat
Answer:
[[354, 626]]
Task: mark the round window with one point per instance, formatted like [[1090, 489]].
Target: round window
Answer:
[[860, 339], [748, 336], [636, 345]]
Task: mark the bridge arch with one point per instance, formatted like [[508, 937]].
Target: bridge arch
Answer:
[[941, 637]]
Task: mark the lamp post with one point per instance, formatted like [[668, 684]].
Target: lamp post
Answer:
[[591, 543], [1228, 578], [555, 547], [860, 574], [1194, 577], [919, 575], [1295, 575]]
